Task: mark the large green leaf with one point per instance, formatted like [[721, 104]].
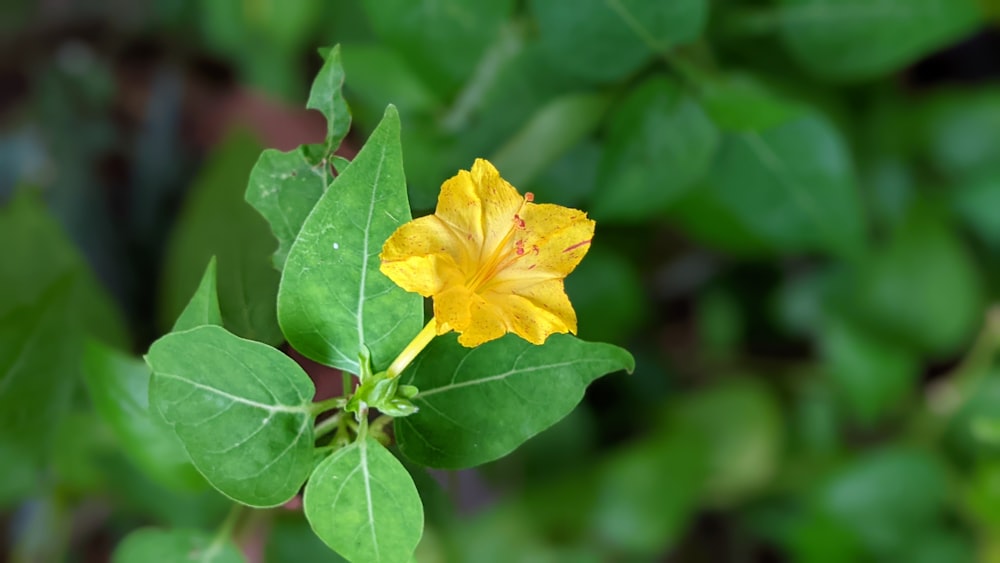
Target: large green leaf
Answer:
[[854, 39], [791, 185], [478, 404], [119, 389], [333, 299], [423, 31], [217, 221], [610, 39], [175, 546], [364, 505], [659, 144], [241, 409], [203, 308], [39, 348]]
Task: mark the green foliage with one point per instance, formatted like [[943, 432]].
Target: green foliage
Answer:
[[478, 404], [333, 302], [150, 544], [363, 504]]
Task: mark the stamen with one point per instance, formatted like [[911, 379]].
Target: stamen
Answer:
[[529, 197]]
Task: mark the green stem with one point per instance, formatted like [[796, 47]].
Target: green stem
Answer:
[[959, 384], [346, 384], [328, 425], [320, 407], [225, 531]]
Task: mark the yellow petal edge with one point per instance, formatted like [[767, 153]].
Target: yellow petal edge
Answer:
[[493, 260]]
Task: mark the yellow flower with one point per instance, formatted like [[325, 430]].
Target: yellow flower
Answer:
[[493, 261]]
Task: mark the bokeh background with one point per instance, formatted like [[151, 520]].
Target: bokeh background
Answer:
[[798, 210]]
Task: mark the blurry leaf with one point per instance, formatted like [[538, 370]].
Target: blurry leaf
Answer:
[[202, 309], [607, 294], [976, 203], [741, 425], [39, 348], [327, 97], [707, 219], [24, 219], [607, 40], [292, 539], [241, 408], [740, 102], [983, 403], [572, 178], [856, 39], [553, 130], [720, 323], [941, 546], [980, 494], [888, 498], [362, 503], [119, 390], [872, 374], [660, 143], [334, 301], [217, 221], [80, 438], [478, 404], [422, 32], [921, 288], [962, 133], [151, 544], [791, 185], [379, 76], [648, 493]]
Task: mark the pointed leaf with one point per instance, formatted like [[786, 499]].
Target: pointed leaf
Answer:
[[241, 409], [478, 404], [284, 187], [327, 96], [203, 309], [39, 349], [217, 221], [119, 389], [364, 505], [180, 546], [333, 299]]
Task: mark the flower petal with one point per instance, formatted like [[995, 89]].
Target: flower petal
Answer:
[[424, 256], [534, 311], [486, 323], [479, 206], [556, 238]]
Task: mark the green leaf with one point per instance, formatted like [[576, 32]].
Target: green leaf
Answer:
[[888, 497], [291, 539], [960, 132], [478, 404], [39, 349], [364, 505], [659, 145], [217, 221], [203, 308], [241, 409], [741, 425], [608, 295], [856, 39], [873, 374], [151, 544], [284, 187], [327, 97], [791, 185], [380, 76], [119, 390], [921, 287], [26, 220], [553, 130], [422, 31], [741, 102], [333, 299], [648, 492], [607, 40]]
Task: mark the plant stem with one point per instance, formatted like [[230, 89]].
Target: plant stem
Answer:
[[346, 384], [957, 386], [320, 407], [419, 342], [225, 531], [328, 425]]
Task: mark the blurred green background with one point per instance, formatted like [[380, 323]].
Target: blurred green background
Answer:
[[798, 236]]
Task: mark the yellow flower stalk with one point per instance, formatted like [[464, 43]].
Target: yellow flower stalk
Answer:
[[493, 260]]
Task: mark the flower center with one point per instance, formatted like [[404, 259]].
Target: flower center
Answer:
[[505, 253]]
